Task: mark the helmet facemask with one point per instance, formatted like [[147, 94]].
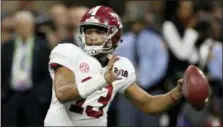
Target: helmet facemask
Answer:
[[105, 44]]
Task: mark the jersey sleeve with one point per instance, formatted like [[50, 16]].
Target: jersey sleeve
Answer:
[[129, 69], [65, 55]]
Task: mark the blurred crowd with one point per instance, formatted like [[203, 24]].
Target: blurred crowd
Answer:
[[161, 38]]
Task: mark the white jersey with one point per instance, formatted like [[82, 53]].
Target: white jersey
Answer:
[[91, 111]]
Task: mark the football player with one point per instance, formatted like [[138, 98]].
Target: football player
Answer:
[[86, 78]]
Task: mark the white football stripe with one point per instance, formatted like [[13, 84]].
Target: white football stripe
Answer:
[[94, 10]]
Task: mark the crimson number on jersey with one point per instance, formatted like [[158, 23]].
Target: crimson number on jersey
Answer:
[[78, 106]]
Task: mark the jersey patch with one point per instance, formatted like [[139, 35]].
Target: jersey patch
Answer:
[[84, 67], [124, 73]]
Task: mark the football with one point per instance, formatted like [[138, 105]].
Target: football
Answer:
[[195, 87]]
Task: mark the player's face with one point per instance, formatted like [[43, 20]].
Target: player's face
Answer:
[[95, 36]]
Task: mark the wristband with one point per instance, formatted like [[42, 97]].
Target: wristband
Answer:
[[88, 87]]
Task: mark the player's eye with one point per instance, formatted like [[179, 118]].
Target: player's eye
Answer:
[[88, 32], [92, 31]]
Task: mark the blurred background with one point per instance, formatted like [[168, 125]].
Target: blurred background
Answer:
[[160, 37]]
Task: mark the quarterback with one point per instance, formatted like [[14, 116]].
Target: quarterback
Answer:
[[86, 78]]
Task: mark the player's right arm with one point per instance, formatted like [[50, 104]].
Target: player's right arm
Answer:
[[63, 60], [64, 85]]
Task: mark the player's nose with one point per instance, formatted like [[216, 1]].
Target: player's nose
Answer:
[[94, 38]]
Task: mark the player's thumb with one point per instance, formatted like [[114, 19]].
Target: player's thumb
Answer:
[[180, 81]]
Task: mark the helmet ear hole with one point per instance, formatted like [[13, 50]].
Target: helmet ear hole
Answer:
[[109, 44]]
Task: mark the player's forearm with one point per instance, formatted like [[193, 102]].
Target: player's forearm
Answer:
[[160, 103], [71, 92], [68, 93]]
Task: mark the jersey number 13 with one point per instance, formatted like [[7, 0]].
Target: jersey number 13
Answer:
[[77, 107]]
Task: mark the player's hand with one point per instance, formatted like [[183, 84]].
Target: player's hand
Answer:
[[109, 75]]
